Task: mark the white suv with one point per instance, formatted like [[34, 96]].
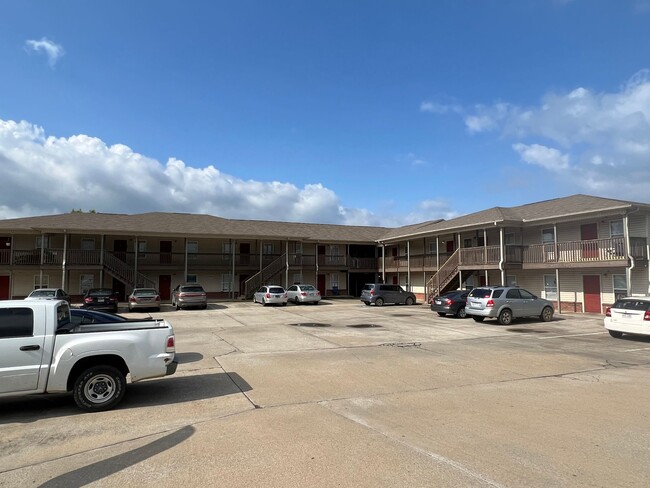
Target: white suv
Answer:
[[506, 303]]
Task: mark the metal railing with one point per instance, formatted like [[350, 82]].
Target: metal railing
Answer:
[[443, 277], [252, 284]]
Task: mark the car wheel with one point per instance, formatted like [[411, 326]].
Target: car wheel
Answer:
[[366, 303], [379, 302], [284, 304], [442, 314], [410, 301], [547, 314], [615, 333], [264, 304], [99, 388], [478, 319], [461, 313], [204, 307], [296, 301], [505, 317]]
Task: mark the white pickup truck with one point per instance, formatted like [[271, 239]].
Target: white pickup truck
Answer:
[[42, 351]]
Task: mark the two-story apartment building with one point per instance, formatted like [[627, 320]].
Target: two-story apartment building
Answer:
[[579, 251]]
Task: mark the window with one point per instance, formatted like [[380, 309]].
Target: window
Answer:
[[433, 248], [44, 239], [192, 250], [87, 244], [297, 278], [548, 236], [511, 280], [334, 281], [226, 282], [41, 283], [513, 293], [334, 251], [227, 247], [550, 287], [620, 286], [467, 242], [526, 295], [142, 248], [16, 322], [509, 239], [616, 228], [86, 282], [192, 278], [267, 248], [298, 247]]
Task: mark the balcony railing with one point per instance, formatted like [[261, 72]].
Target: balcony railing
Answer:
[[612, 249], [476, 256]]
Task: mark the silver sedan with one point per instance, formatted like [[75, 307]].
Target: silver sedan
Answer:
[[303, 294]]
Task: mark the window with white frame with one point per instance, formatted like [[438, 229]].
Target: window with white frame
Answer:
[[86, 282], [192, 278], [44, 239], [41, 283], [226, 282], [192, 250], [511, 280], [548, 236], [334, 281], [619, 283], [433, 248], [142, 248], [227, 248], [267, 248], [87, 244], [616, 228], [550, 287]]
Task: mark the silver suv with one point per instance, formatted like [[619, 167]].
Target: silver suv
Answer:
[[506, 303], [380, 293]]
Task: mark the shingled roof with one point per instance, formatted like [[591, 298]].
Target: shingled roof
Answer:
[[199, 225]]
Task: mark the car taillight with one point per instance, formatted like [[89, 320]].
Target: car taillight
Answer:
[[286, 295], [88, 299], [157, 298], [608, 312], [448, 301], [318, 293], [133, 300], [372, 292], [646, 316], [490, 303], [171, 344], [303, 293], [268, 295]]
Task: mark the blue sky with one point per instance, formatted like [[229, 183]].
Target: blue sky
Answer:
[[362, 112]]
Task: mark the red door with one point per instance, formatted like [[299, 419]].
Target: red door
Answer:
[[589, 234], [4, 287], [165, 286], [321, 284], [591, 289]]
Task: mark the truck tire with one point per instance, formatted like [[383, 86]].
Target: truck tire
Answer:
[[99, 388]]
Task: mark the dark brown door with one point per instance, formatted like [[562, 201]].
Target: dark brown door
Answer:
[[589, 234], [591, 289], [321, 284], [321, 260], [244, 253], [165, 286], [242, 284], [450, 246], [120, 288], [119, 249], [165, 252], [4, 287]]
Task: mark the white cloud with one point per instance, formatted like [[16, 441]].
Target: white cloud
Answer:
[[547, 157], [596, 141], [52, 50], [45, 175]]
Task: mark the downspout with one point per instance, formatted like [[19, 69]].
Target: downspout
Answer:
[[185, 277], [501, 260], [286, 262], [628, 270], [261, 244], [408, 265], [63, 264], [232, 274], [437, 265], [135, 263], [559, 296], [101, 260], [383, 262], [40, 279]]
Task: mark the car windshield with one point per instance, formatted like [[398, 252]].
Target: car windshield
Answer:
[[42, 293], [480, 293], [307, 288], [100, 292], [144, 291], [368, 287], [640, 305], [192, 289], [276, 289]]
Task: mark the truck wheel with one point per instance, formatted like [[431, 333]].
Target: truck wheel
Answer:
[[99, 388]]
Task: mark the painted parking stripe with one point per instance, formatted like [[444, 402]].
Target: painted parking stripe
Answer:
[[573, 335]]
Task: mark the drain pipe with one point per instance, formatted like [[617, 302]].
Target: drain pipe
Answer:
[[628, 270], [502, 258]]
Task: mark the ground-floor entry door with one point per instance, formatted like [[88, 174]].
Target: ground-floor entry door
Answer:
[[164, 286], [321, 284], [591, 290], [4, 287]]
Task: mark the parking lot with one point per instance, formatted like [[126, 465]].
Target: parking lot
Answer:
[[341, 394]]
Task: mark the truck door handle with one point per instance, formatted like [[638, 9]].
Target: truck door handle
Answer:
[[33, 347]]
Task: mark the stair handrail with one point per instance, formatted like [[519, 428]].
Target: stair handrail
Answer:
[[254, 282], [443, 276]]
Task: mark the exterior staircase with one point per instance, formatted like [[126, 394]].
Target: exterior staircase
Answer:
[[445, 275], [125, 273], [253, 283]]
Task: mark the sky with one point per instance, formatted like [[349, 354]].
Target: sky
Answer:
[[359, 112]]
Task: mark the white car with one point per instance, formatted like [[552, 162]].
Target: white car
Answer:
[[303, 294], [270, 294], [629, 315]]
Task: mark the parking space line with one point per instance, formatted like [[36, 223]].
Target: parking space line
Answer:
[[573, 335], [639, 349]]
